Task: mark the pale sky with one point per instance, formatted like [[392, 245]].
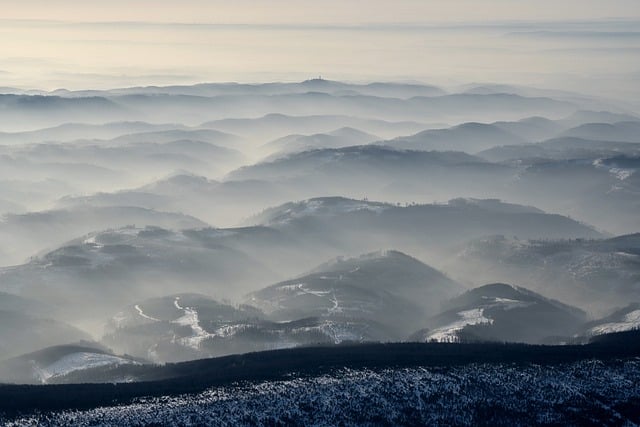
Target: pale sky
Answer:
[[318, 11], [81, 44]]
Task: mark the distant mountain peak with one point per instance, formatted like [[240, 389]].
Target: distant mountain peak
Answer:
[[317, 80]]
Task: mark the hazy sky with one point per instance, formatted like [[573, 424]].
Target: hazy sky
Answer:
[[325, 11], [570, 44]]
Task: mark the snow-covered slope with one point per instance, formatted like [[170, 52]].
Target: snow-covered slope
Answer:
[[500, 312], [386, 287], [77, 361], [191, 326], [625, 319], [59, 363], [477, 394]]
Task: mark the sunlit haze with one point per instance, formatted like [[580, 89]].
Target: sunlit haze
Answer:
[[589, 46], [340, 212]]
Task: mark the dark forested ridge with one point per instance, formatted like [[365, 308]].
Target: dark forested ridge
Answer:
[[304, 362]]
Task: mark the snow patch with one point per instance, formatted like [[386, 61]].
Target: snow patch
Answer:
[[190, 318], [301, 289], [508, 304], [291, 288], [228, 330], [336, 304], [340, 332], [449, 333], [78, 361], [141, 313], [620, 173], [91, 241], [631, 321]]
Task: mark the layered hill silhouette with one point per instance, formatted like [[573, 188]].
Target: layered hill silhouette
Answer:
[[62, 364], [106, 270], [503, 313], [435, 224], [584, 271], [338, 138], [621, 320], [29, 234], [275, 125], [388, 287], [149, 225], [28, 324], [467, 137], [188, 326]]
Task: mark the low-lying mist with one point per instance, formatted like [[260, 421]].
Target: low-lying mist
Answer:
[[175, 223]]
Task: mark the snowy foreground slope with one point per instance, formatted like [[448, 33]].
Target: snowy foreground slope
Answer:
[[366, 384], [587, 392]]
